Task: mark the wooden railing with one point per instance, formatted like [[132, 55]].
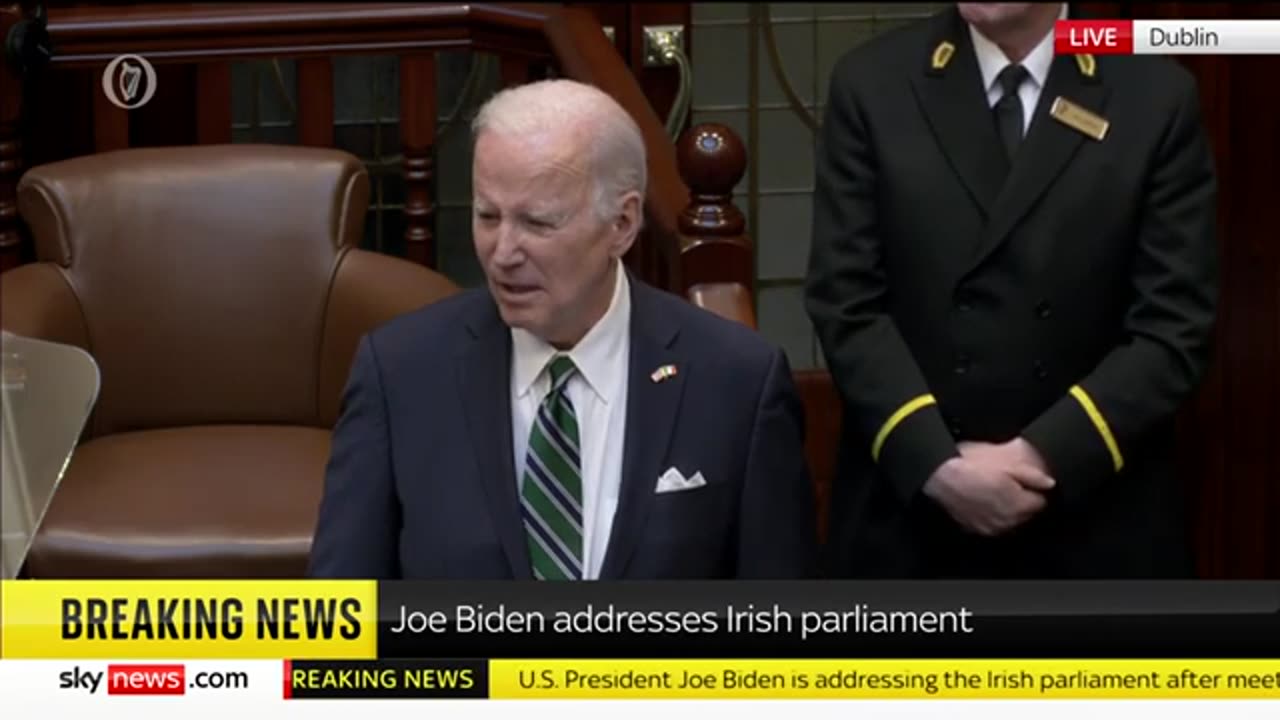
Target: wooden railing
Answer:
[[693, 244]]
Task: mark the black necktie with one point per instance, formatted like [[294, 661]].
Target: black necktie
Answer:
[[1009, 117]]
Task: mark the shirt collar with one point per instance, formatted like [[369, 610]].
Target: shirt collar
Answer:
[[991, 59], [596, 355]]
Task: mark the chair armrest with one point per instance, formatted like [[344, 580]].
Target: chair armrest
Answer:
[[726, 299], [368, 290], [37, 301]]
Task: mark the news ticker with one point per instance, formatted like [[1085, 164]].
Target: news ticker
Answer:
[[317, 620], [655, 679], [668, 679], [1167, 37]]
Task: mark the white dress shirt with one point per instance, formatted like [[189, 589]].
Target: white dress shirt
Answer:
[[991, 60], [598, 391]]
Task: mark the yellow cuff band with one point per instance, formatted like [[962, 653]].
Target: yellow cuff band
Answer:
[[896, 419], [1100, 423]]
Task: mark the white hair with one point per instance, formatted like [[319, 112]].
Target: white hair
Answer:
[[618, 160]]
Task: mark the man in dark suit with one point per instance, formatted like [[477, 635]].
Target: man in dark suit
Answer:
[[565, 422], [1013, 278]]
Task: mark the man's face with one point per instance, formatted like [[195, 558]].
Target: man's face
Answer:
[[995, 15], [545, 252]]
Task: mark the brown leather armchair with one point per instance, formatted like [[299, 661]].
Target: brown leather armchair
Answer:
[[222, 294]]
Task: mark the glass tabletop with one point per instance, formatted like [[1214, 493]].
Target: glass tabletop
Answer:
[[48, 392]]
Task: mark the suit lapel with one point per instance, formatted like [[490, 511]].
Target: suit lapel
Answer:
[[1045, 153], [484, 384], [952, 100], [651, 418]]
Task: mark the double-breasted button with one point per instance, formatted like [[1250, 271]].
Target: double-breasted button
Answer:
[[1044, 309], [953, 424], [962, 364], [1041, 371]]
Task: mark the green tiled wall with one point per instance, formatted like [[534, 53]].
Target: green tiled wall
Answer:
[[810, 38]]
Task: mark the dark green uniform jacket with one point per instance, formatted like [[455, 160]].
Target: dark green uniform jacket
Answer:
[[1067, 297]]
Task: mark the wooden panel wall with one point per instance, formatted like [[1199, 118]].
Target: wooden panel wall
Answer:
[[1231, 434]]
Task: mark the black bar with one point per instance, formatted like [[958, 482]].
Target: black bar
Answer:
[[388, 679], [1196, 619]]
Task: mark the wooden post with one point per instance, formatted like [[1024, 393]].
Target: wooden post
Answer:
[[315, 102], [110, 122], [11, 244], [417, 138], [716, 264], [213, 103], [515, 70]]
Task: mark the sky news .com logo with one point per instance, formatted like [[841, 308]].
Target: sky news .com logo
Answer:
[[151, 679]]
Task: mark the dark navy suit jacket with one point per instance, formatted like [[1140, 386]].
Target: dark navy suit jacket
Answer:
[[421, 483]]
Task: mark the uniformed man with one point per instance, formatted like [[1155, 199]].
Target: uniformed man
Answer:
[[1013, 278]]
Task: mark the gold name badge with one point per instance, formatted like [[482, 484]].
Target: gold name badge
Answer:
[[1079, 119]]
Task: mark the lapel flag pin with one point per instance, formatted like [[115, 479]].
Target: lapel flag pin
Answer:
[[662, 373]]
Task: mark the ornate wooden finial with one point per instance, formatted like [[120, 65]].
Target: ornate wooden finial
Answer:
[[717, 263], [712, 161]]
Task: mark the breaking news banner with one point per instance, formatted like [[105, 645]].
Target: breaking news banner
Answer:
[[1167, 37], [831, 619], [289, 641]]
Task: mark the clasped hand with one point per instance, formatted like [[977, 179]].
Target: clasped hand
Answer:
[[992, 488]]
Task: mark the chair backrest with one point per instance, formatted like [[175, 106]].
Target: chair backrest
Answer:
[[203, 274]]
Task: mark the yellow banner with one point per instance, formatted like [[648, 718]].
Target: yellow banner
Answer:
[[884, 679], [233, 619]]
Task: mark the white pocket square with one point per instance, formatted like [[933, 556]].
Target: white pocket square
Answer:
[[673, 481]]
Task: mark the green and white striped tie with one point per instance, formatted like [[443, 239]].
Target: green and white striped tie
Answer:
[[551, 487]]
